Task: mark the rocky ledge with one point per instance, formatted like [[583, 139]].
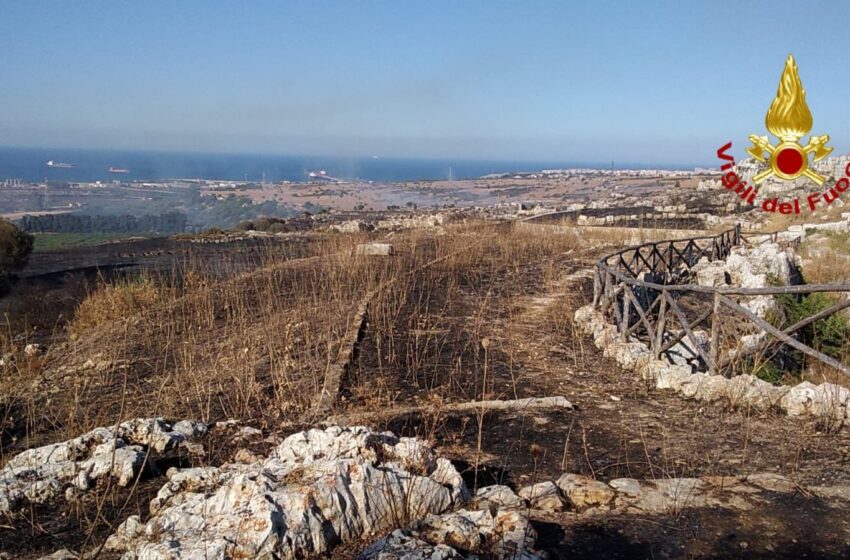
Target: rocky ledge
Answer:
[[41, 474], [317, 489]]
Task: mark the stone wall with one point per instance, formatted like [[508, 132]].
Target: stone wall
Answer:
[[827, 400]]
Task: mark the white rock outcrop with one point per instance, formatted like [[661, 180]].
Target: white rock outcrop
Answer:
[[498, 496], [584, 492], [317, 489], [543, 495], [40, 474], [462, 534], [750, 266]]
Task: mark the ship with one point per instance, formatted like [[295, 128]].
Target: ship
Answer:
[[59, 164], [321, 176], [118, 170]]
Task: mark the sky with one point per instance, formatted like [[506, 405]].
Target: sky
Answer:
[[644, 82]]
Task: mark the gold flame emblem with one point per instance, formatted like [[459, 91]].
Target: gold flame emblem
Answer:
[[789, 119]]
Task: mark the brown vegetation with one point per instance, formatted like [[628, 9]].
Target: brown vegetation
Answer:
[[475, 311]]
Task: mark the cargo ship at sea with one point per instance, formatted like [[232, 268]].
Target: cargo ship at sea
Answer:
[[59, 164], [118, 170]]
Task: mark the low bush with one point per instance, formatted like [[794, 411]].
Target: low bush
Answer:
[[830, 335], [15, 247], [115, 301]]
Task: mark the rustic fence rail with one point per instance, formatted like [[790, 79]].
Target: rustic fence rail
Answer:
[[648, 292]]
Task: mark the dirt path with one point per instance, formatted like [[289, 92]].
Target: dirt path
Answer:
[[625, 428]]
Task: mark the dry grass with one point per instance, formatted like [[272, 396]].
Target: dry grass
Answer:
[[777, 222], [115, 301], [211, 343], [826, 258], [455, 316]]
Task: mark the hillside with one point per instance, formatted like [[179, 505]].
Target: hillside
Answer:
[[240, 348]]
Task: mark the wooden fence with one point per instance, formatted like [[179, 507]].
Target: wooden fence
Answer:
[[647, 291]]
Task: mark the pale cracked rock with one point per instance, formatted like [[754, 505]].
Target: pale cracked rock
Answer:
[[750, 391], [705, 387], [666, 496], [375, 249], [830, 400], [628, 486], [799, 399], [750, 266], [317, 489], [461, 534], [400, 546], [32, 350], [772, 482], [543, 495], [40, 474], [668, 376], [585, 492], [499, 496], [630, 355]]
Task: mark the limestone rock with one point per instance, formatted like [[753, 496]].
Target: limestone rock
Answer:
[[798, 400], [130, 529], [830, 400], [246, 456], [462, 534], [317, 489], [544, 495], [750, 391], [459, 530], [499, 496], [32, 350], [585, 492], [772, 482], [750, 266], [669, 376], [400, 546], [352, 226], [40, 474], [628, 486]]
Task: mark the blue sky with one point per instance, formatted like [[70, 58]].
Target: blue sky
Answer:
[[649, 82]]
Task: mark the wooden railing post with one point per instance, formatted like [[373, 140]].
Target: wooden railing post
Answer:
[[596, 286], [659, 324], [627, 311], [714, 349]]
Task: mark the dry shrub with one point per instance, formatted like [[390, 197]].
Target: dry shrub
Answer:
[[827, 258], [116, 301]]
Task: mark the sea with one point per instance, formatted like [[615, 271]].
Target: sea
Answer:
[[30, 164]]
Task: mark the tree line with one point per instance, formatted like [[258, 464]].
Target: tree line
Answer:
[[168, 222]]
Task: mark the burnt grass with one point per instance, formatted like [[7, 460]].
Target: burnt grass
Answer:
[[787, 527], [44, 294], [500, 327], [620, 428]]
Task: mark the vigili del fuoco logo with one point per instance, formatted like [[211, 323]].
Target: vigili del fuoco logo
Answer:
[[788, 119]]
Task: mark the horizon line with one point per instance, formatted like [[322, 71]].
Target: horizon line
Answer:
[[597, 165]]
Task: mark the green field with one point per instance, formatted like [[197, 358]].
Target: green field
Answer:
[[56, 241]]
